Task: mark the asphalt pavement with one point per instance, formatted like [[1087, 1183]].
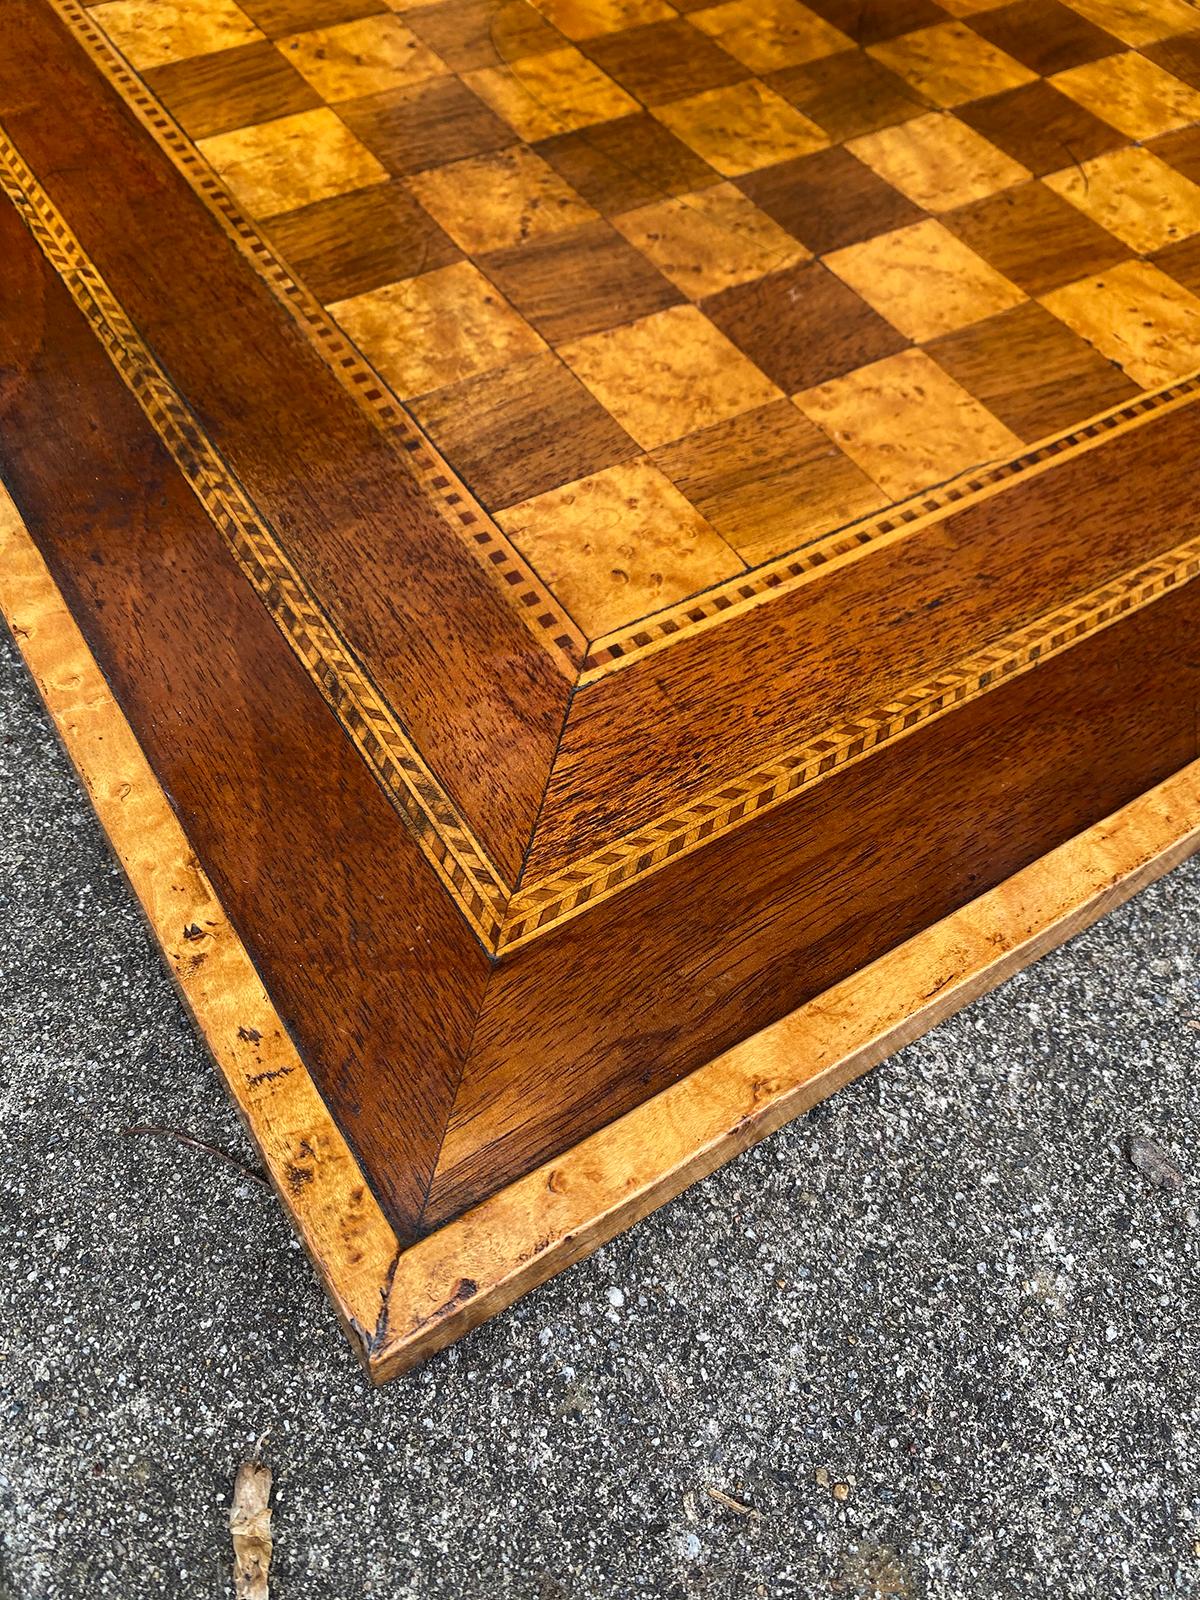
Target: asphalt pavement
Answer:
[[938, 1339]]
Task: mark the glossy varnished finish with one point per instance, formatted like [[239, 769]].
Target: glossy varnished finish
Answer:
[[586, 1021], [274, 799], [603, 521], [417, 608], [706, 271]]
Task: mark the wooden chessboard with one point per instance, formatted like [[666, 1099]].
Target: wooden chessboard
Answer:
[[678, 296], [603, 561]]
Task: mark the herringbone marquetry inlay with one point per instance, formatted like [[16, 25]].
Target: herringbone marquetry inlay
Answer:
[[603, 563], [542, 905], [505, 920]]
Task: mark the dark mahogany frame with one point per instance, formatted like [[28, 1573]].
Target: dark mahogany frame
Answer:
[[453, 1071]]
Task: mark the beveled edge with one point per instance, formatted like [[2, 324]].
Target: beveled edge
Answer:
[[507, 917], [399, 1307], [452, 1280], [347, 1237]]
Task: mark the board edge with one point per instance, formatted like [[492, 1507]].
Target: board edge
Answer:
[[462, 1274], [400, 1306], [324, 1192]]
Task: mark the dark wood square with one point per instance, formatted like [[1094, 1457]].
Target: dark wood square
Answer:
[[1040, 128], [1035, 238], [629, 162], [358, 241], [580, 281], [231, 89], [870, 21], [829, 199], [520, 431], [769, 480], [1182, 262], [803, 326], [1180, 55], [664, 61], [1031, 371], [425, 125], [469, 34], [279, 17], [1180, 150], [848, 94], [1045, 35]]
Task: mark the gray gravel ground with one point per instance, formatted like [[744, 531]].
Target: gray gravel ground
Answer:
[[940, 1336]]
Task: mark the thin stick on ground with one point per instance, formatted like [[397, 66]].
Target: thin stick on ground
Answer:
[[731, 1504], [193, 1143]]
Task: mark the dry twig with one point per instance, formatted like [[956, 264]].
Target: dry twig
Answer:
[[193, 1143], [731, 1504]]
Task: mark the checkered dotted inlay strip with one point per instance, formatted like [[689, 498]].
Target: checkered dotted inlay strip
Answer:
[[542, 905], [443, 836]]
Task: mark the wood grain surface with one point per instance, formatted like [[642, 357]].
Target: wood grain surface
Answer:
[[585, 533], [275, 800], [348, 1238], [457, 1277], [706, 243]]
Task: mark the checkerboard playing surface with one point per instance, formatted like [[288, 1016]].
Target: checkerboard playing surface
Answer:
[[679, 288]]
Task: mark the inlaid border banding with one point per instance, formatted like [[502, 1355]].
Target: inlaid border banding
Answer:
[[452, 1280], [399, 1307], [535, 909], [724, 601], [503, 918], [451, 848], [540, 610]]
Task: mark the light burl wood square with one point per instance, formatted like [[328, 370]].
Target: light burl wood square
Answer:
[[1132, 94], [668, 375], [558, 92], [588, 19], [1136, 316], [283, 165], [489, 202], [950, 64], [359, 58], [710, 240], [907, 423], [938, 162], [619, 544], [428, 332], [742, 127], [1134, 195], [924, 280], [152, 32], [1138, 22], [767, 35]]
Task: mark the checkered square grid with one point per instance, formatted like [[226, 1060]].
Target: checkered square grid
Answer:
[[679, 288]]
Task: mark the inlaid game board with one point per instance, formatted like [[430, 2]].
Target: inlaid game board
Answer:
[[604, 562]]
